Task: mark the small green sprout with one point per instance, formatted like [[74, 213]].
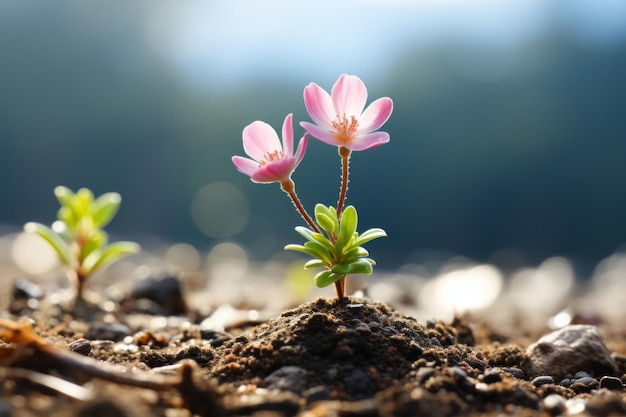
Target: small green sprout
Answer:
[[77, 235], [338, 250]]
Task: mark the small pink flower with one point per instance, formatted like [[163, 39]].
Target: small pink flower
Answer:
[[339, 117], [270, 161]]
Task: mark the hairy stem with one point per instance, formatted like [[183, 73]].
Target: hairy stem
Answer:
[[289, 187], [344, 153]]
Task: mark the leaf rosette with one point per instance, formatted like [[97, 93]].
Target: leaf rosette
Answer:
[[339, 248]]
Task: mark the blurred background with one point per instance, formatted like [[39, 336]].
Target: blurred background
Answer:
[[507, 137]]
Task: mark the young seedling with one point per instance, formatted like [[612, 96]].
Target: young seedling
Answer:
[[340, 119], [77, 236]]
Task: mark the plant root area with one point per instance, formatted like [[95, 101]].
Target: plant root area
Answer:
[[354, 357]]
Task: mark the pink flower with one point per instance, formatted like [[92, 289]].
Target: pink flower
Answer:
[[339, 117], [270, 161]]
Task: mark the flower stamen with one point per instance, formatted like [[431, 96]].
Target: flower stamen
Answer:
[[346, 129], [274, 156]]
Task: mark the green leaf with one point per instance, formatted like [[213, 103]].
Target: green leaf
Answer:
[[314, 263], [57, 243], [100, 258], [326, 219], [325, 278], [347, 227], [320, 251], [355, 252], [64, 195], [96, 240], [299, 248], [361, 266], [312, 236], [83, 200], [305, 232], [370, 234], [104, 209], [326, 223], [69, 212]]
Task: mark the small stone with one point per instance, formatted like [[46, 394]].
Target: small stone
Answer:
[[81, 346], [363, 329], [164, 293], [611, 383], [459, 373], [581, 374], [566, 382], [553, 404], [316, 394], [108, 331], [542, 380], [357, 380], [491, 376], [568, 350], [517, 373], [24, 289], [287, 378], [586, 380]]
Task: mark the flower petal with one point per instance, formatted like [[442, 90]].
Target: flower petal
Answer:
[[349, 95], [320, 134], [375, 115], [259, 138], [319, 105], [371, 140], [245, 165], [288, 135], [274, 171], [301, 149]]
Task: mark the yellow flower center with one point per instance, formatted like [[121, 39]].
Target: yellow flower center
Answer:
[[271, 157], [346, 129]]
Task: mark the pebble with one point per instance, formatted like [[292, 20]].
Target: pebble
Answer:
[[287, 378], [492, 376], [459, 373], [566, 382], [553, 404], [81, 346], [23, 289], [316, 394], [542, 380], [108, 331], [357, 380], [586, 380], [517, 373], [568, 350], [611, 383], [165, 293]]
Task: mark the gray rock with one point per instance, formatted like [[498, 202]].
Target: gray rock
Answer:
[[287, 378], [569, 350]]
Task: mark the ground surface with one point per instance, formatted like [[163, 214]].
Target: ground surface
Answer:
[[154, 355]]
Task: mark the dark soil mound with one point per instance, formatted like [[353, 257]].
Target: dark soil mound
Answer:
[[353, 348]]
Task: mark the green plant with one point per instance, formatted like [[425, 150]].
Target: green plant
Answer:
[[342, 120], [78, 236]]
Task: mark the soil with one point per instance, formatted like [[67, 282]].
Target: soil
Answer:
[[354, 357]]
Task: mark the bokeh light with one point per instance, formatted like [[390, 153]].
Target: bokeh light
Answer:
[[220, 210], [33, 255]]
